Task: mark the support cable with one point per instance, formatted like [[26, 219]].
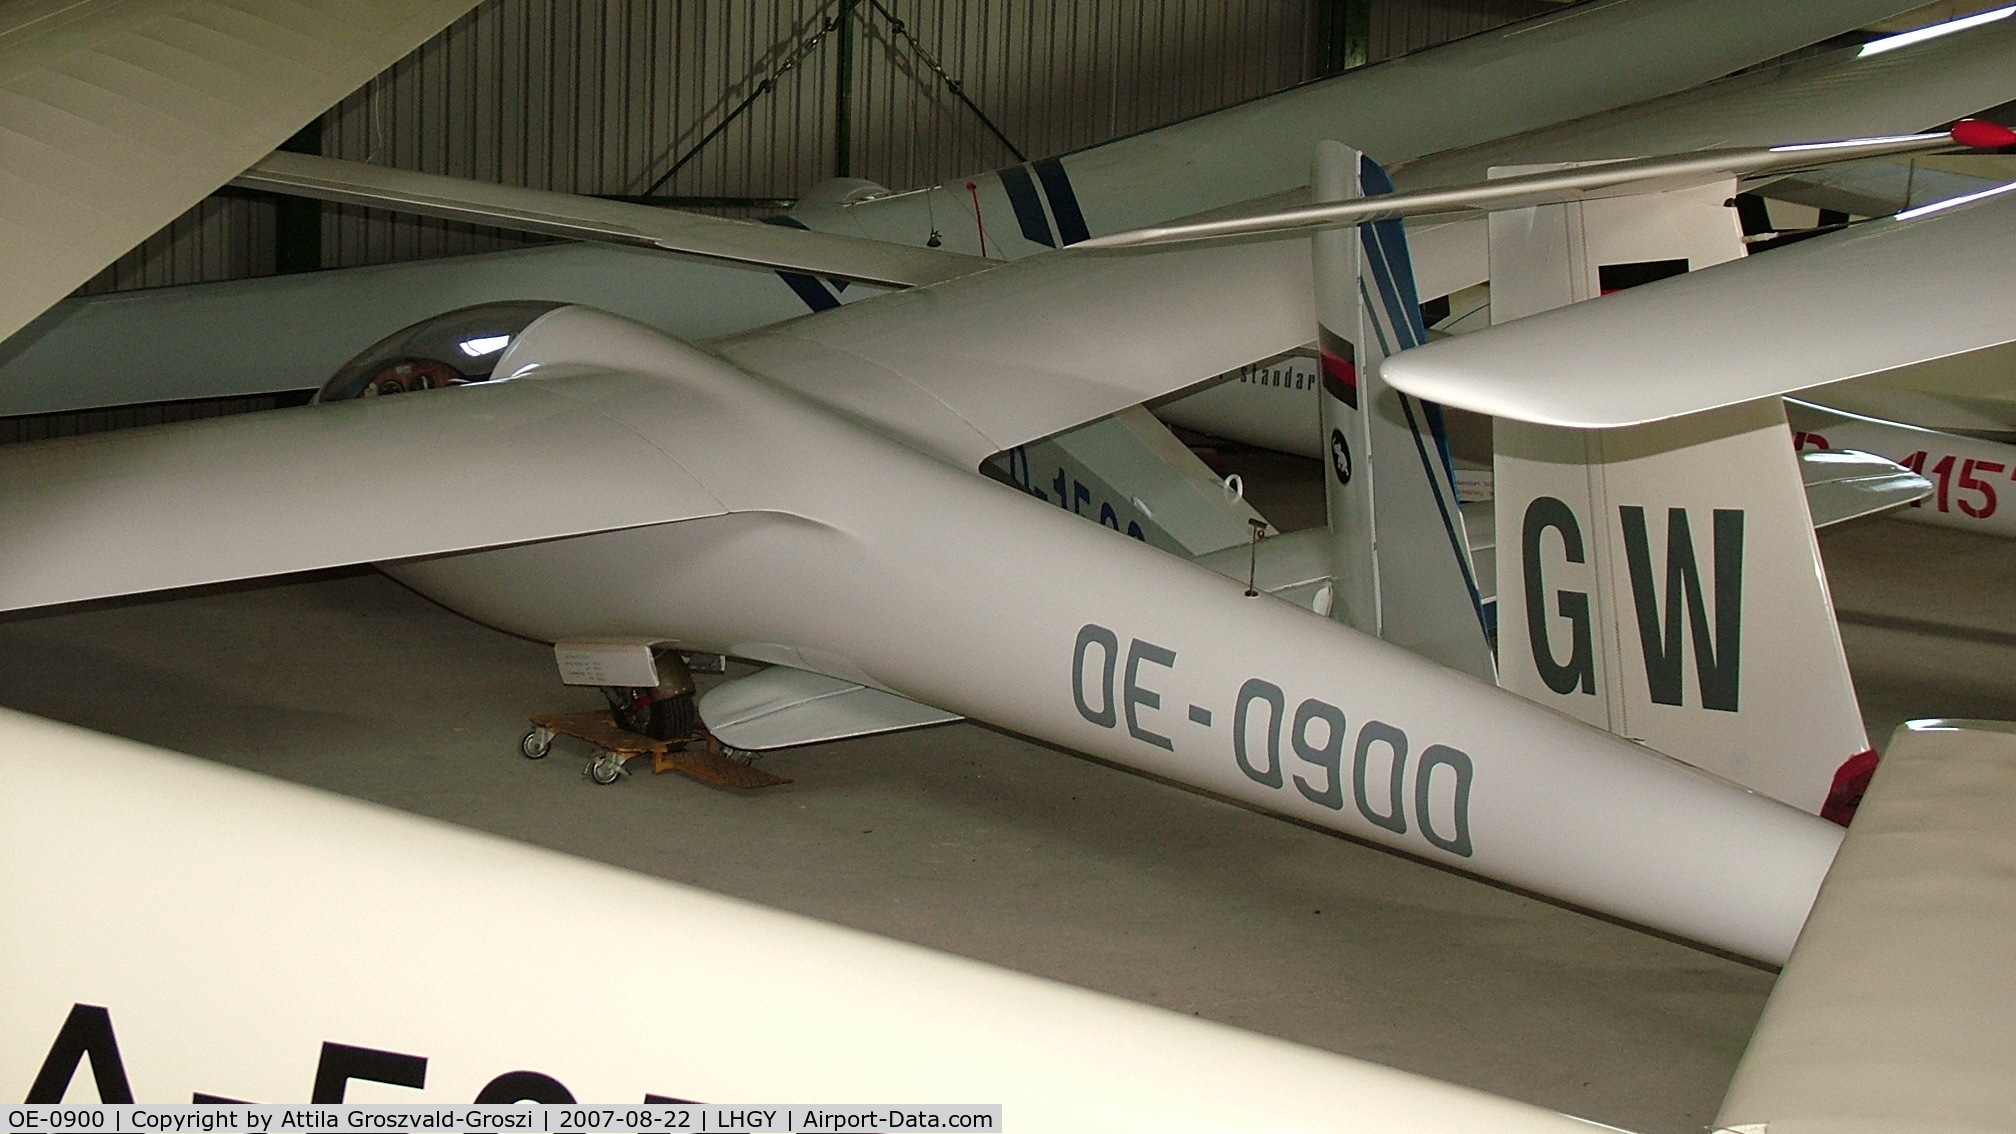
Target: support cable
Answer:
[[847, 9], [902, 31], [769, 83]]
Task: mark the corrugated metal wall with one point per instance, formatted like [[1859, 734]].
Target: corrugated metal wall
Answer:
[[601, 96], [1398, 28]]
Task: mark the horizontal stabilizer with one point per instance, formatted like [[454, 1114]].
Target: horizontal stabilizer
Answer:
[[262, 494], [592, 218], [1843, 485], [1131, 474], [1294, 566], [1894, 1010], [782, 706], [1883, 295]]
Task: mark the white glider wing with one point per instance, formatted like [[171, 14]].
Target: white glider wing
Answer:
[[616, 222], [955, 369], [1623, 178], [1841, 94], [370, 894], [353, 482], [117, 116], [968, 368], [1881, 296], [1893, 1012]]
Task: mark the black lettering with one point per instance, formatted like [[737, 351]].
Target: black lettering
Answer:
[[1379, 732], [1443, 756], [1258, 690], [86, 1031], [1093, 632], [1328, 756], [1717, 645], [341, 1063], [1580, 670], [524, 1086], [1137, 652]]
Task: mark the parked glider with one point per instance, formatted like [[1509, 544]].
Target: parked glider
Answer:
[[710, 502]]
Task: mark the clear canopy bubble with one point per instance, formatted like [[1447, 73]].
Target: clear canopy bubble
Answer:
[[452, 349]]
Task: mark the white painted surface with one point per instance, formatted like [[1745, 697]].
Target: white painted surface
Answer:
[[1131, 474], [1563, 66], [1884, 295], [1844, 484], [815, 574], [1894, 1011], [593, 218], [1538, 186], [1663, 581], [780, 706], [323, 485], [117, 116], [1739, 671], [606, 663], [1401, 555], [231, 925], [1973, 479]]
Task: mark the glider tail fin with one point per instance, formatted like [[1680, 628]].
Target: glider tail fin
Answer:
[[1662, 580], [1398, 548]]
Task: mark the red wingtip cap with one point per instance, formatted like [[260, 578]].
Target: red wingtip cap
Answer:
[[1982, 135], [1851, 779]]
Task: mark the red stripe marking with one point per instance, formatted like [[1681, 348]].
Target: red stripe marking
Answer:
[[1340, 377]]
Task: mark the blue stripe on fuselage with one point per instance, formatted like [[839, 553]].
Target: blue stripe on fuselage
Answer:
[[1028, 210], [1063, 201], [808, 289]]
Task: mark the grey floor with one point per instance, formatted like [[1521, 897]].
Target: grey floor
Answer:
[[987, 845]]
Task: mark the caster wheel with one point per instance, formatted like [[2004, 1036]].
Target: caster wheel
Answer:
[[606, 768], [536, 744]]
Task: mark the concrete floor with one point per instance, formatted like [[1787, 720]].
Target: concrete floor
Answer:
[[988, 845]]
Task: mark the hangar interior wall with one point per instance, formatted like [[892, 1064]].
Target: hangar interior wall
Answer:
[[602, 96]]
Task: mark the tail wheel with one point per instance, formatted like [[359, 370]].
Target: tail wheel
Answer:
[[632, 708], [665, 713]]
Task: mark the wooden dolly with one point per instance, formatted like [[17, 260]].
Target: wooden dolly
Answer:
[[616, 746]]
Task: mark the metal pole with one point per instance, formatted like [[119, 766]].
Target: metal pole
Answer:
[[843, 102], [1343, 35], [297, 221]]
